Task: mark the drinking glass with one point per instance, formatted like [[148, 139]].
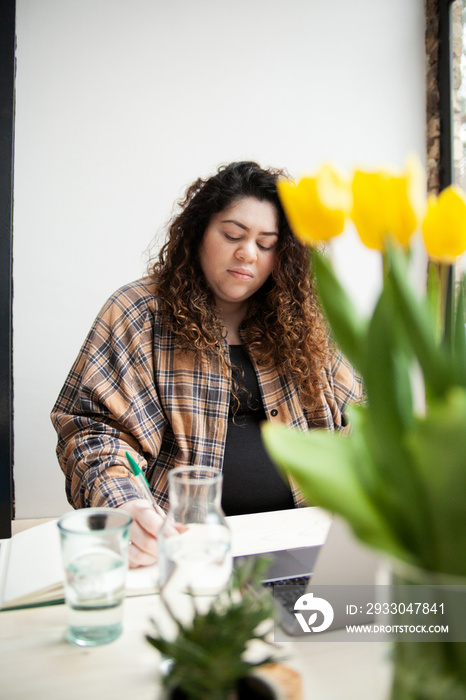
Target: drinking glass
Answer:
[[94, 545], [195, 562]]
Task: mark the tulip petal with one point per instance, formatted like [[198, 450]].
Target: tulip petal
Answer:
[[444, 225], [316, 206], [333, 189], [293, 199], [401, 217], [368, 205], [387, 204]]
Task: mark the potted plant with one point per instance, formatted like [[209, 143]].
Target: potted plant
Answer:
[[399, 477], [206, 659]]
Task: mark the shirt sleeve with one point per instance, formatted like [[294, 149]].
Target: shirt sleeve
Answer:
[[109, 405], [347, 388]]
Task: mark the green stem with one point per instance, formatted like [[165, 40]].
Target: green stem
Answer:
[[447, 300]]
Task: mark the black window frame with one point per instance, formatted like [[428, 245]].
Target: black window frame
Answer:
[[445, 94], [7, 110]]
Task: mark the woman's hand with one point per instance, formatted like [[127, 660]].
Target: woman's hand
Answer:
[[143, 532]]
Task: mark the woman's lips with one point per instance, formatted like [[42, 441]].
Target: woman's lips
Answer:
[[241, 274]]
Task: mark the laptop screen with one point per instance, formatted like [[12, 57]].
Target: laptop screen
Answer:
[[289, 563]]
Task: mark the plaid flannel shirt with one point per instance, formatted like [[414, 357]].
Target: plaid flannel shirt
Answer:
[[131, 389]]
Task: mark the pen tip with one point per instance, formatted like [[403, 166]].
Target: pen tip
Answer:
[[134, 467]]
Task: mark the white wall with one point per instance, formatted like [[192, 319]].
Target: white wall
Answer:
[[122, 103]]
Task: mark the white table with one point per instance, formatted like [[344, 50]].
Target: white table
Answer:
[[37, 663]]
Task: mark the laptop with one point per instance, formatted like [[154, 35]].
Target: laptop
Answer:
[[342, 570]]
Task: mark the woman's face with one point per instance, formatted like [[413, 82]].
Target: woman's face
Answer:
[[237, 253]]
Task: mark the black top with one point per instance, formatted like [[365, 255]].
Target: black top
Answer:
[[251, 482]]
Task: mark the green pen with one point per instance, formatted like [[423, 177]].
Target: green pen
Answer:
[[142, 481]]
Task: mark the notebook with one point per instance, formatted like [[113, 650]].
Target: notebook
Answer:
[[31, 570]]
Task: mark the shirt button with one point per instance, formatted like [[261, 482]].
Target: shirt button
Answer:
[[274, 412]]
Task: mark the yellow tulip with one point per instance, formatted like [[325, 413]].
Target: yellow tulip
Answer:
[[316, 207], [444, 225], [385, 204]]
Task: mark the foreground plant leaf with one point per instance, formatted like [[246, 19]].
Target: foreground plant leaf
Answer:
[[384, 470], [459, 336], [415, 316], [389, 417], [323, 465], [349, 328], [438, 445]]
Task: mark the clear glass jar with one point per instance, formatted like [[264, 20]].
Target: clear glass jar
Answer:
[[195, 562]]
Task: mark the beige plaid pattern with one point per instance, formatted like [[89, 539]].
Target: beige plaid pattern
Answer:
[[131, 389]]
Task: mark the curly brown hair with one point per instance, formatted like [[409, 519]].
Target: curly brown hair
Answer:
[[284, 324]]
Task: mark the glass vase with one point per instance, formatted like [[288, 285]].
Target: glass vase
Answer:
[[195, 562], [433, 669]]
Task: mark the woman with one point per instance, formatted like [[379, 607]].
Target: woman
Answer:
[[182, 366]]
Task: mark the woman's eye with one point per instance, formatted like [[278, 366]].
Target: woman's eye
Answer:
[[235, 239]]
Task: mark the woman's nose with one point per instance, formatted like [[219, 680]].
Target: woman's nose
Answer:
[[246, 251]]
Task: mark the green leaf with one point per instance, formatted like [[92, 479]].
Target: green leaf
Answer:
[[438, 446], [390, 415], [433, 299], [366, 471], [347, 326], [323, 464], [385, 471], [414, 315], [387, 376], [459, 340]]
